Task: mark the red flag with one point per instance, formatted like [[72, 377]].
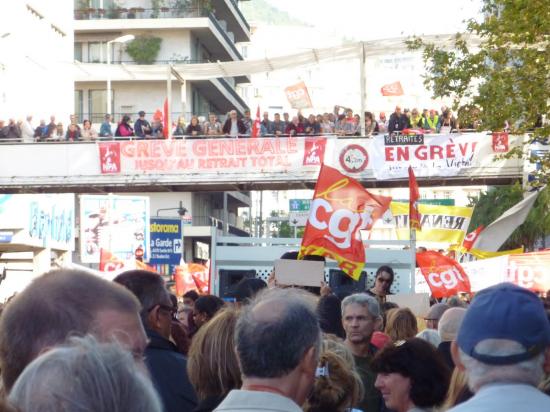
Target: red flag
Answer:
[[392, 89], [444, 276], [109, 262], [414, 196], [341, 207], [256, 126], [165, 124], [471, 237], [191, 276]]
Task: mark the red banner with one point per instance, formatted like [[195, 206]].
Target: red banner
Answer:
[[444, 276], [341, 207], [256, 127], [109, 262], [471, 237], [392, 89], [500, 142], [192, 276], [530, 270], [109, 157], [414, 195]]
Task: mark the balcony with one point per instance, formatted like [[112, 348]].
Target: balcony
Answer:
[[222, 93], [229, 11], [212, 33]]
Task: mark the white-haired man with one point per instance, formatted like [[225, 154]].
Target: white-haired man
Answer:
[[503, 345]]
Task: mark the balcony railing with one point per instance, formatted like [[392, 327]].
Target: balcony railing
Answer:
[[139, 13], [239, 12], [229, 41]]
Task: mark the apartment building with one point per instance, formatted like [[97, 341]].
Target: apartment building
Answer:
[[166, 32]]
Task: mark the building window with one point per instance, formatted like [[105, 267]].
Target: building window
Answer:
[[78, 105], [97, 105], [78, 51], [97, 52]]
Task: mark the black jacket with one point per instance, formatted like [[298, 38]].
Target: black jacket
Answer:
[[240, 125], [168, 369], [398, 123]]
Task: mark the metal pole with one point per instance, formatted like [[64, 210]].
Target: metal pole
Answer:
[[109, 108], [413, 259], [169, 98], [261, 234], [225, 214], [363, 81]]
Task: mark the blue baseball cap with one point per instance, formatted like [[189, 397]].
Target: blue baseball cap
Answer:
[[505, 311]]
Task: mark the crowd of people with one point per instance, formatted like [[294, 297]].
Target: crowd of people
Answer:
[[72, 341], [340, 122]]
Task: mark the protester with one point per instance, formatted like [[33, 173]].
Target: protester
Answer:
[[142, 128], [434, 314], [295, 127], [431, 336], [337, 387], [105, 129], [382, 283], [61, 304], [247, 288], [73, 133], [504, 346], [401, 324], [411, 376], [193, 128], [398, 121], [85, 375], [189, 298], [212, 365], [448, 327], [124, 129], [360, 318], [27, 131], [180, 127], [88, 132], [234, 127], [212, 127], [179, 331], [205, 308], [168, 367], [277, 126], [278, 341], [458, 390]]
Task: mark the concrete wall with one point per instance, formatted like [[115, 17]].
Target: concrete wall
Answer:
[[36, 59]]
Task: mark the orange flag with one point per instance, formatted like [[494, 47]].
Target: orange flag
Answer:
[[341, 207], [444, 276], [392, 89], [257, 124], [414, 196]]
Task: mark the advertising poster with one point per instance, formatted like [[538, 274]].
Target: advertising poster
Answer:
[[118, 224]]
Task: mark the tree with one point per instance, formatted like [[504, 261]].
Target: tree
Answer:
[[492, 204], [503, 81]]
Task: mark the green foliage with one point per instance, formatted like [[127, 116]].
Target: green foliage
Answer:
[[506, 78], [156, 5], [264, 12], [493, 203], [144, 49]]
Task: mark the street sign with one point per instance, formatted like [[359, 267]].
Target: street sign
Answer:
[[166, 241], [298, 211]]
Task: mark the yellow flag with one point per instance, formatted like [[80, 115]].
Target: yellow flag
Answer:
[[439, 223], [482, 254]]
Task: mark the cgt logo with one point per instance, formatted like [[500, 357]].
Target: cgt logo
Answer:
[[341, 224], [449, 279]]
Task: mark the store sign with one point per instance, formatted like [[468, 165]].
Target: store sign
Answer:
[[166, 241], [40, 220]]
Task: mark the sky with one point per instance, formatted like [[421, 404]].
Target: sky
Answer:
[[370, 20]]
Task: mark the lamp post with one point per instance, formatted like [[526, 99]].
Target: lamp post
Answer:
[[121, 39]]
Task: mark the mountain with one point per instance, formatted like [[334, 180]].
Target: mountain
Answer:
[[260, 11]]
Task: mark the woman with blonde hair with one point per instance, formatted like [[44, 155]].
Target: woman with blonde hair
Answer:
[[458, 390], [212, 363], [401, 324], [337, 387]]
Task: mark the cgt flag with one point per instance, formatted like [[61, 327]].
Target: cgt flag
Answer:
[[392, 89], [470, 238], [340, 208], [414, 196], [444, 276]]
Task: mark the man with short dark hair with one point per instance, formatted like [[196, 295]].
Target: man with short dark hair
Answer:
[[105, 130], [360, 318], [277, 126], [278, 340], [61, 304], [142, 128], [167, 366], [503, 345], [398, 121]]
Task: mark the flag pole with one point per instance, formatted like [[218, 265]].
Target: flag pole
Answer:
[[412, 237]]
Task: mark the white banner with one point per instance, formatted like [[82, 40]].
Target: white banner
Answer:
[[437, 155]]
